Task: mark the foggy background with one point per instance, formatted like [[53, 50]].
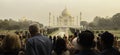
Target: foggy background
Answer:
[[38, 10]]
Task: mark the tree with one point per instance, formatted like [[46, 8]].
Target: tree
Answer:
[[91, 24], [84, 24], [101, 23], [9, 24], [116, 19]]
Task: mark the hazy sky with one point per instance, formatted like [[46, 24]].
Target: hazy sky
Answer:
[[38, 10]]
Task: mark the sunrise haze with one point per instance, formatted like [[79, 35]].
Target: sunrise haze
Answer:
[[38, 10]]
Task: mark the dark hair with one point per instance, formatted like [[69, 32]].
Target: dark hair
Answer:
[[34, 28], [50, 37], [107, 39], [54, 37], [86, 39], [60, 46], [11, 42]]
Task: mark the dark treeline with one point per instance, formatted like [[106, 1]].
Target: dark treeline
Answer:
[[73, 30], [49, 31], [104, 22], [9, 24]]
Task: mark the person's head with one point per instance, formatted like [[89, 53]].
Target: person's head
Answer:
[[65, 38], [58, 37], [60, 46], [54, 38], [86, 39], [107, 39], [11, 42], [75, 34], [50, 37], [34, 29], [17, 32]]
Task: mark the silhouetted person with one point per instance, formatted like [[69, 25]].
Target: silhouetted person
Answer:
[[38, 44], [107, 40], [50, 37], [86, 41], [60, 47], [75, 34], [54, 42], [98, 45]]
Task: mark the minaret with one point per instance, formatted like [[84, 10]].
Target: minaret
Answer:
[[77, 21], [57, 22], [80, 17], [49, 19], [53, 20]]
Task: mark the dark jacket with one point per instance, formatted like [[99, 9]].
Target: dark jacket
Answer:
[[39, 45], [110, 51], [87, 52], [10, 53]]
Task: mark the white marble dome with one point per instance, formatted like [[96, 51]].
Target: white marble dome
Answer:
[[65, 12]]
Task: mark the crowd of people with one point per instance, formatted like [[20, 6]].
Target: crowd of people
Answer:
[[82, 43]]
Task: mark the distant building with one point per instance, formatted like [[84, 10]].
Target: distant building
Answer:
[[64, 20]]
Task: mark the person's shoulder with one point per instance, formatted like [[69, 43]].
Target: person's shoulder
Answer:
[[115, 51], [86, 53], [30, 39], [79, 53], [46, 37], [11, 53], [39, 39], [110, 51], [36, 37]]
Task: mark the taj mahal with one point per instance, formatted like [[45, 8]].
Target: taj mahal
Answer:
[[64, 20]]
